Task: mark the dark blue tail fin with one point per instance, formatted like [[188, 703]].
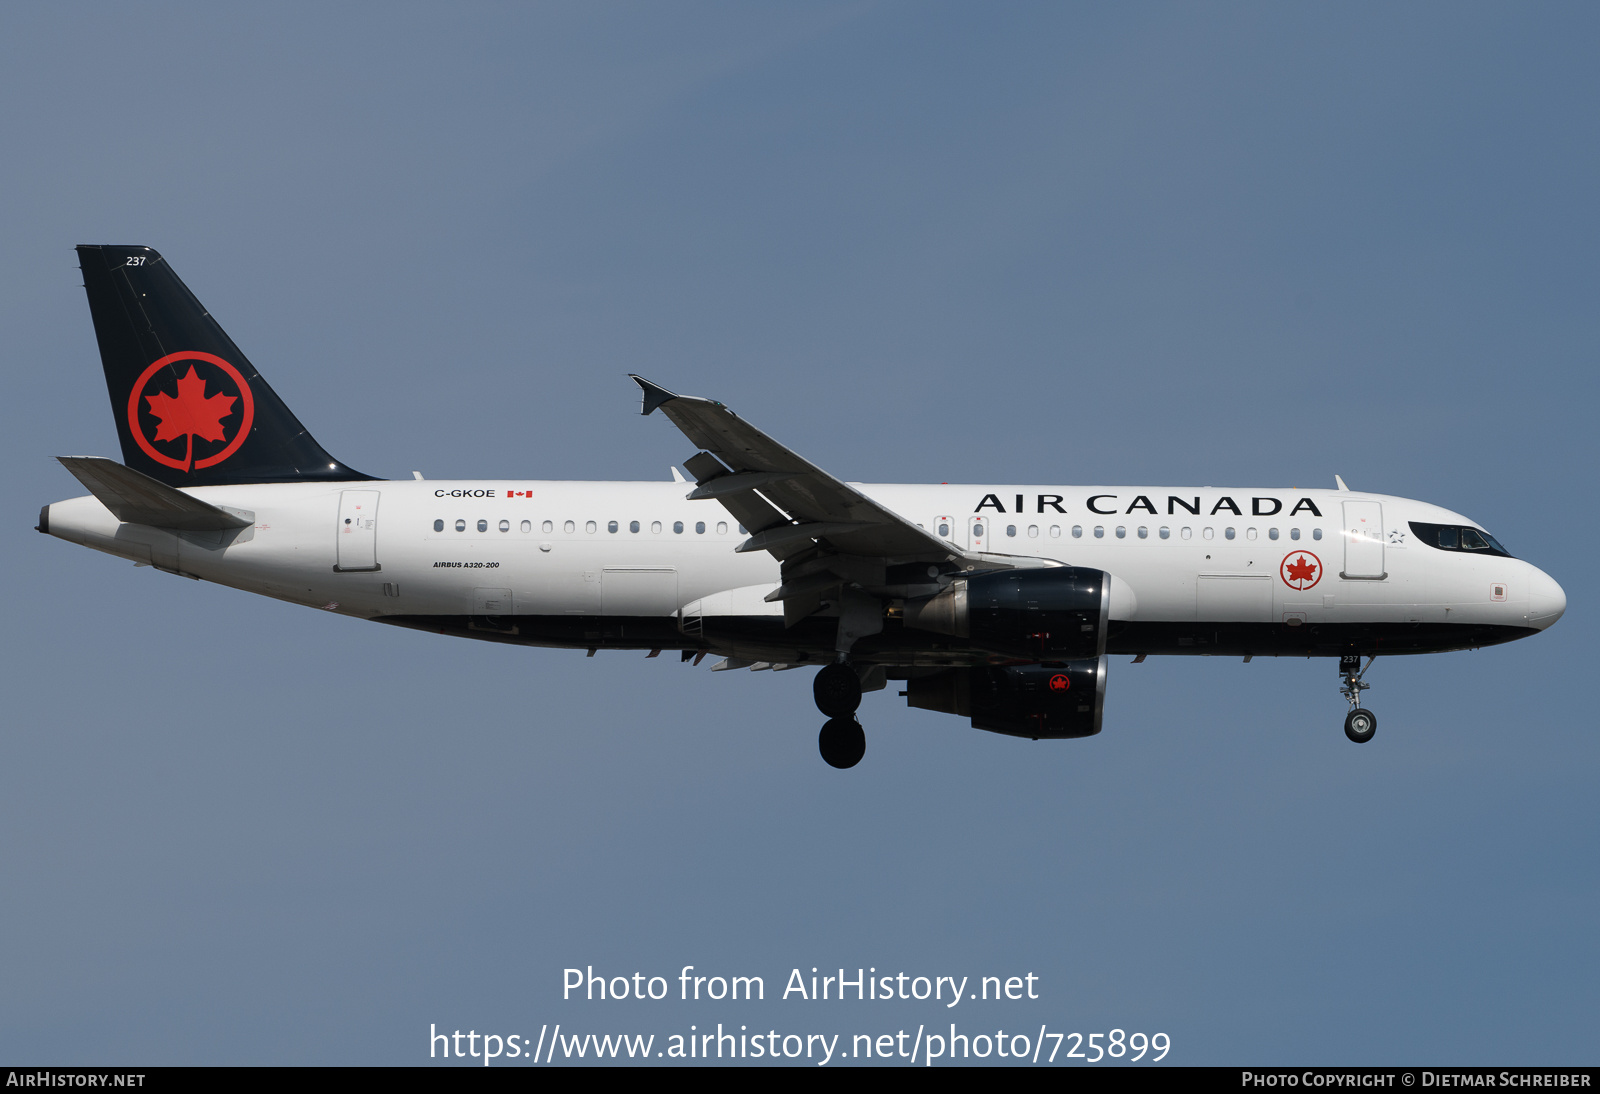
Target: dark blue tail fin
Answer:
[[190, 408]]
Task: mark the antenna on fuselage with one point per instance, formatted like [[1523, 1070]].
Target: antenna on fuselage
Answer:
[[1340, 484]]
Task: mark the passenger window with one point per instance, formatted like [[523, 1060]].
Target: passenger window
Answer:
[[1227, 533], [483, 526], [1166, 533], [655, 527], [633, 526], [677, 527], [699, 527], [527, 526], [611, 526], [1448, 538], [1077, 531], [1099, 531], [1249, 533], [1144, 533], [1272, 533], [1122, 532], [742, 531], [569, 527], [1208, 534], [722, 527], [1033, 531], [505, 526], [548, 526], [1187, 533], [461, 526], [1316, 533], [1294, 533], [1011, 530], [589, 526], [944, 529], [438, 526], [1055, 531], [977, 530]]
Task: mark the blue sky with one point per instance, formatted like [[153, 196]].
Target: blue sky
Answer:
[[1250, 244]]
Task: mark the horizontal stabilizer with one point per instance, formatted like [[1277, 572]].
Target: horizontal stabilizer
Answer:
[[136, 498]]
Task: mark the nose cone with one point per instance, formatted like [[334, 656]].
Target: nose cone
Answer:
[[1546, 600]]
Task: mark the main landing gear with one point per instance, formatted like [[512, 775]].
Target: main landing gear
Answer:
[[1360, 724], [842, 742], [837, 690]]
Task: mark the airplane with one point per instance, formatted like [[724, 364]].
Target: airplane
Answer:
[[999, 603]]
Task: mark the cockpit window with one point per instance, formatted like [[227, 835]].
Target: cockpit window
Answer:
[[1453, 538], [1494, 544]]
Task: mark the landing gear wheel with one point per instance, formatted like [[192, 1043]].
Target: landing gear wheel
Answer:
[[837, 690], [1360, 725], [842, 742]]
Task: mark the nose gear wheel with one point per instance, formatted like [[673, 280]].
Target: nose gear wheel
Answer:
[[1360, 724]]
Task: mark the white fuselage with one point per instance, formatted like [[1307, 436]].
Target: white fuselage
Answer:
[[639, 549]]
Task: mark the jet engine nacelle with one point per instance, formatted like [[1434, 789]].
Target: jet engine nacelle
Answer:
[[1054, 614], [1035, 701]]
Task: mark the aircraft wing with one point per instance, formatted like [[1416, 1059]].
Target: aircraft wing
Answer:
[[825, 532]]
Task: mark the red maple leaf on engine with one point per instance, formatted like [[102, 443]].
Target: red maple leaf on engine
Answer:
[[191, 413], [1301, 570]]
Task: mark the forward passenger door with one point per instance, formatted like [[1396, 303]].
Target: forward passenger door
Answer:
[[1363, 541]]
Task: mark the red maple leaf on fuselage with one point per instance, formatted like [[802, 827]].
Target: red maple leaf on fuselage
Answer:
[[190, 414], [1301, 570]]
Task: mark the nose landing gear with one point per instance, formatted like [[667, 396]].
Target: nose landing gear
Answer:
[[837, 690], [1360, 724]]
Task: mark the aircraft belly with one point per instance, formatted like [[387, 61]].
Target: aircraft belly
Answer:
[[765, 638], [1327, 639]]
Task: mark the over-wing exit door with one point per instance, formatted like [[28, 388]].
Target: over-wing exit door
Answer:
[[358, 531], [978, 533]]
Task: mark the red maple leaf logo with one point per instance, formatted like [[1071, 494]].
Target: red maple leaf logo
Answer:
[[1300, 569], [190, 414]]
